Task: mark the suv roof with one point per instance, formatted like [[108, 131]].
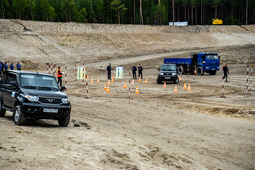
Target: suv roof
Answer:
[[27, 72]]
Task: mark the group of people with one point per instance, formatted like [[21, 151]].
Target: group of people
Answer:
[[134, 69], [4, 67]]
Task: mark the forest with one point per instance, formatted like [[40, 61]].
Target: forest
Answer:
[[160, 12]]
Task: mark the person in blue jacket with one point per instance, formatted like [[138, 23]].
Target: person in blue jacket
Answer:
[[11, 66], [5, 67], [140, 71], [134, 72], [109, 68], [18, 66], [1, 68]]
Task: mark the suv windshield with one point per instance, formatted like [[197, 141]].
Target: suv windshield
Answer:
[[38, 82], [167, 68], [212, 57]]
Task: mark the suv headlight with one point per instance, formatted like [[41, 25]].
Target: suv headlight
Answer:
[[31, 98], [161, 74], [65, 100], [173, 74]]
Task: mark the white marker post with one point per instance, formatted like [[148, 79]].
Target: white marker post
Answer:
[[247, 81], [251, 77]]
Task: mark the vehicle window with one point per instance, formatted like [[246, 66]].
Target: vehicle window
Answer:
[[168, 68], [11, 77], [212, 57], [39, 82]]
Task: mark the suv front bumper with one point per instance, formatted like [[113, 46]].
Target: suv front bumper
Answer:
[[36, 110], [167, 77]]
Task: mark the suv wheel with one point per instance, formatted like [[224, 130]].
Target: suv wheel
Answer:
[[18, 116], [64, 121], [176, 81], [2, 111]]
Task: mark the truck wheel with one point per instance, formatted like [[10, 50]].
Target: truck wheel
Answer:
[[212, 72], [2, 111], [64, 121], [180, 69], [200, 70], [18, 116]]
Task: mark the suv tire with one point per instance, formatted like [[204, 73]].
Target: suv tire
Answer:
[[64, 121], [18, 115], [159, 82], [2, 111]]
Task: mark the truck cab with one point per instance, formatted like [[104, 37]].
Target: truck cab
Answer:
[[206, 62]]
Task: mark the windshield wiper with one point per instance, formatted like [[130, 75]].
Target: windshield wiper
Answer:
[[29, 87]]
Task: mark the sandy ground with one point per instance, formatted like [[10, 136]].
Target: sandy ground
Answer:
[[157, 129]]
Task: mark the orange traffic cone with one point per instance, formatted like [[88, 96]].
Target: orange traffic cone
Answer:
[[109, 82], [139, 80], [98, 80], [133, 81], [87, 76], [175, 89], [125, 85], [189, 88], [185, 86], [105, 87], [108, 89], [136, 90], [92, 82], [164, 84], [112, 78], [146, 80]]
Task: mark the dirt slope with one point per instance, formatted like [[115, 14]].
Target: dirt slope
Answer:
[[158, 129]]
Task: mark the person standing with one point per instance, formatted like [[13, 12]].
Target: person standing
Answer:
[[226, 72], [1, 68], [109, 68], [5, 67], [134, 69], [18, 66], [140, 71], [59, 75], [11, 66]]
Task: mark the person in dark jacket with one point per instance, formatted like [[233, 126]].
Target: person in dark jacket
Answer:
[[11, 66], [5, 67], [1, 68], [140, 71], [18, 66], [109, 68], [226, 72], [134, 69]]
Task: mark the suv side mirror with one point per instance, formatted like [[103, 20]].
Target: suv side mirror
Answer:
[[158, 69], [63, 88], [13, 83]]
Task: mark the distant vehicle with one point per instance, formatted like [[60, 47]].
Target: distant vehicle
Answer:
[[202, 62], [217, 22], [33, 95], [168, 72]]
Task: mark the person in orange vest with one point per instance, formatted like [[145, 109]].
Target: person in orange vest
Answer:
[[59, 75]]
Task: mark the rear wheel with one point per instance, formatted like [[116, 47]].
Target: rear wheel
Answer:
[[212, 72], [64, 121], [180, 69], [18, 115], [200, 70], [2, 111], [176, 81]]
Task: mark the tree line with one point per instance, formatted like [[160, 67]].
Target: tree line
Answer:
[[160, 12]]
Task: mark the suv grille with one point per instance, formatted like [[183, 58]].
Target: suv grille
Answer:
[[167, 73], [50, 100]]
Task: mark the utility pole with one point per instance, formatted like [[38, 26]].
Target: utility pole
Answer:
[[173, 10], [246, 12]]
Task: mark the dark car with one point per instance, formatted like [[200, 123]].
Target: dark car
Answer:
[[33, 95], [168, 72]]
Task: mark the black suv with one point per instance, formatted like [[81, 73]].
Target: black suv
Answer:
[[33, 95], [168, 72]]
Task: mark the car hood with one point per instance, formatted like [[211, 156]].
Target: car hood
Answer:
[[42, 93], [167, 71]]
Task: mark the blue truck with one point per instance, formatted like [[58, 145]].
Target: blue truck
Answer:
[[208, 62]]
